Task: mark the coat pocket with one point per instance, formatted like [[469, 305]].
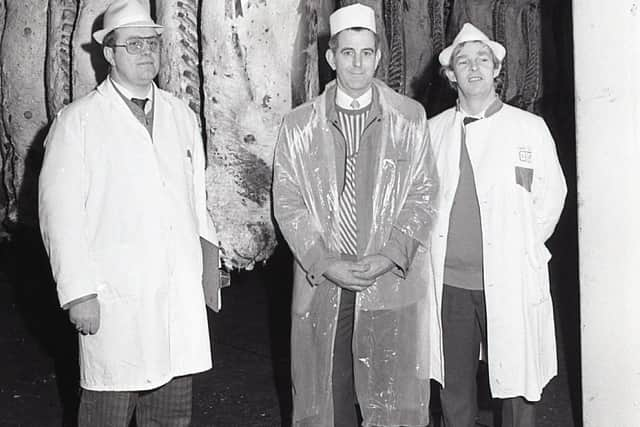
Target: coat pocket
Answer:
[[524, 177]]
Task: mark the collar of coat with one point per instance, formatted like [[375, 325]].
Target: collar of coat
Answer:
[[107, 89], [491, 109], [384, 99]]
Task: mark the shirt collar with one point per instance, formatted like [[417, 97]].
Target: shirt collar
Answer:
[[127, 93], [344, 101], [490, 110]]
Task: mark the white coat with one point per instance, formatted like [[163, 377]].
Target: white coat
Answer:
[[521, 192], [121, 215]]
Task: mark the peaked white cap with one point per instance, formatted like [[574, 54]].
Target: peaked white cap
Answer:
[[125, 14], [469, 33], [352, 16]]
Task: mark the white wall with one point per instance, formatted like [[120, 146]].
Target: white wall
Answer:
[[607, 74]]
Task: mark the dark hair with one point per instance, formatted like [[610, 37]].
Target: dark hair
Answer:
[[333, 41]]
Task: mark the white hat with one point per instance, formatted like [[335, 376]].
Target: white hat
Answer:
[[469, 33], [352, 16], [125, 14]]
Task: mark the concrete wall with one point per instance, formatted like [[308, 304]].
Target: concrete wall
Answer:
[[607, 76]]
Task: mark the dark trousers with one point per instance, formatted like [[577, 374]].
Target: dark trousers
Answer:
[[464, 328], [168, 405], [345, 412]]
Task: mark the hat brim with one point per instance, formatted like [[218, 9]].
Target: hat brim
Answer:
[[100, 34], [498, 50]]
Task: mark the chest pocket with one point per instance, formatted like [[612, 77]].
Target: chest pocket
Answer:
[[524, 177]]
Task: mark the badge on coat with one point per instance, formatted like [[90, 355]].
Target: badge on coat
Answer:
[[524, 170], [525, 155]]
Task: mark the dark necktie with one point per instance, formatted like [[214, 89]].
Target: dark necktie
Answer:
[[140, 102], [469, 119]]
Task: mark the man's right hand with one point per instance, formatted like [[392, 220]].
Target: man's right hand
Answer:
[[342, 274], [85, 316]]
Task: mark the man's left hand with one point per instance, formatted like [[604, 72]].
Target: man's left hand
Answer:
[[377, 266]]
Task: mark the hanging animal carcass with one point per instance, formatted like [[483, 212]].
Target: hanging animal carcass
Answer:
[[24, 113], [259, 60]]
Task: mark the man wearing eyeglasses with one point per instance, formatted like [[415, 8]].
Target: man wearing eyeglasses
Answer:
[[122, 213]]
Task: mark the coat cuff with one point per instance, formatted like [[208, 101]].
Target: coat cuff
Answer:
[[316, 261], [400, 249], [71, 291], [77, 301]]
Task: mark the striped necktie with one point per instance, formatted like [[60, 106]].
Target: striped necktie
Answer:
[[352, 126], [348, 226]]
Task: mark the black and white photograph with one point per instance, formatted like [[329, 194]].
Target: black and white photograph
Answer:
[[319, 213]]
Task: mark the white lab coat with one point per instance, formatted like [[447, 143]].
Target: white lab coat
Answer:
[[120, 216], [516, 222]]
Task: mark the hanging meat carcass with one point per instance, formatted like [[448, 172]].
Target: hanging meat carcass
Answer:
[[517, 25], [179, 68], [88, 65], [419, 48], [324, 10], [259, 59], [22, 59], [4, 141], [62, 16]]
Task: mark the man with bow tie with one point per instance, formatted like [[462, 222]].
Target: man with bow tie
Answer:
[[502, 192], [122, 213], [353, 193]]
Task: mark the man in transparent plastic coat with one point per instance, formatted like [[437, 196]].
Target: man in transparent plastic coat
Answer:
[[360, 332]]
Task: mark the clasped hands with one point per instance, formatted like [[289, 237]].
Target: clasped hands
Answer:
[[358, 275]]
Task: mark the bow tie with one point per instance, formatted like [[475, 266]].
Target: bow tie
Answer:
[[140, 102]]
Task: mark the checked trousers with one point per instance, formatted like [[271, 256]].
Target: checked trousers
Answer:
[[167, 406]]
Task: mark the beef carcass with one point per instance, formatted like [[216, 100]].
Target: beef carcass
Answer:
[[394, 29], [22, 59], [4, 141], [517, 26], [180, 62], [259, 56], [62, 16], [324, 10], [88, 65], [419, 46]]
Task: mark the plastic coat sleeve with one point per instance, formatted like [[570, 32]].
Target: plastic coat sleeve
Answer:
[[400, 249], [416, 218], [297, 225]]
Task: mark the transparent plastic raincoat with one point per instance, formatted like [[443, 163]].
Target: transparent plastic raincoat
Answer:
[[396, 184]]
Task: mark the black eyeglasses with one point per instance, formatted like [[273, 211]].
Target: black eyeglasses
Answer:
[[137, 45]]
